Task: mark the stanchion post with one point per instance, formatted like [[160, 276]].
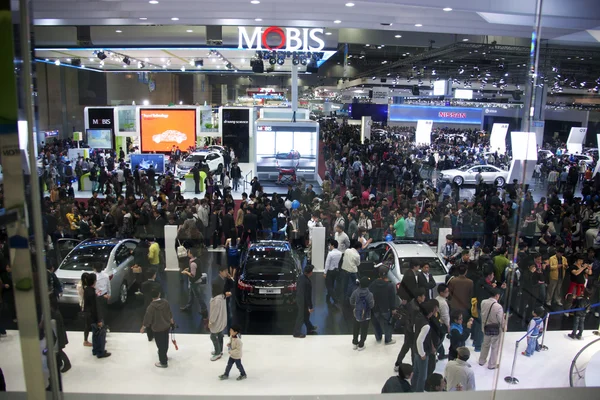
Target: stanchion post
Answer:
[[542, 346], [512, 379]]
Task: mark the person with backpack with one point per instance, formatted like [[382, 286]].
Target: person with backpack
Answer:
[[217, 319], [363, 301], [534, 330]]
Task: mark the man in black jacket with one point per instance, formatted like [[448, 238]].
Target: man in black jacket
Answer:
[[159, 319], [304, 304], [409, 283], [147, 289], [266, 219], [196, 173], [151, 174], [385, 300], [250, 225], [228, 223], [426, 282], [410, 310]]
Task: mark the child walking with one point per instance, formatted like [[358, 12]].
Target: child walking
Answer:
[[217, 320], [235, 354], [534, 330]]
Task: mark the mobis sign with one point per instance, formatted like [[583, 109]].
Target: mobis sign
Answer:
[[276, 38]]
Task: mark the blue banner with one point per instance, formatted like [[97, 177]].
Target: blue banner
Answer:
[[444, 115]]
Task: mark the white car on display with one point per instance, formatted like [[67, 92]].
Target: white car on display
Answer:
[[544, 155], [395, 254], [589, 160], [170, 136], [208, 160], [467, 173]]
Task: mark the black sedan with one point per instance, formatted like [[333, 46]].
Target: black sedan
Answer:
[[269, 272]]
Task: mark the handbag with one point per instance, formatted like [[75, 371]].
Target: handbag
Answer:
[[181, 250], [491, 329]]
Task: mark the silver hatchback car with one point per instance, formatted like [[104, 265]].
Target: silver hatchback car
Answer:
[[115, 254]]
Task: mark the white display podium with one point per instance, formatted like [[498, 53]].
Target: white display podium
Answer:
[[319, 242]]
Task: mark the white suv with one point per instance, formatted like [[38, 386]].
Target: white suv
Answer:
[[208, 160]]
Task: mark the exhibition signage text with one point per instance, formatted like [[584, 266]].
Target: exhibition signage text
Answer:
[[289, 39]]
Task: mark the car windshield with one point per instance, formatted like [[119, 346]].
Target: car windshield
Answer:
[[82, 258], [195, 158], [435, 265], [269, 263]]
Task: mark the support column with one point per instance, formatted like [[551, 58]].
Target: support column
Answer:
[[294, 90], [535, 105], [16, 202], [223, 94]]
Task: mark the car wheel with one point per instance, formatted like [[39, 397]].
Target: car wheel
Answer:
[[500, 181], [123, 293], [458, 180]]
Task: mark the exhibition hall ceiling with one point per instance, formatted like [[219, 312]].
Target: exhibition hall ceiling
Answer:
[[164, 59], [562, 19]]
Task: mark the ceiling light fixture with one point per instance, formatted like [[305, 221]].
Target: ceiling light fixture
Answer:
[[255, 2], [175, 19], [447, 9], [418, 25], [189, 31], [153, 2], [398, 36], [119, 31], [101, 56], [465, 40], [258, 19], [328, 33], [337, 21], [349, 4], [183, 68], [143, 18], [126, 60]]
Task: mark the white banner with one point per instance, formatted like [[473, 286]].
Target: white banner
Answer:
[[575, 140], [381, 95], [423, 135], [498, 138], [365, 129]]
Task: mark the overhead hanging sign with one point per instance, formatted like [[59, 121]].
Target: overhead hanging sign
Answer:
[[498, 138], [381, 95], [276, 38], [423, 134], [575, 140]]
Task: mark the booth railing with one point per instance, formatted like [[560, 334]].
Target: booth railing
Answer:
[[580, 371], [512, 379]]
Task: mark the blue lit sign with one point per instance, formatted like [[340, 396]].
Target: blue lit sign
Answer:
[[444, 115]]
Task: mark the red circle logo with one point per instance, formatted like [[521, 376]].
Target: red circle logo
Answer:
[[278, 31]]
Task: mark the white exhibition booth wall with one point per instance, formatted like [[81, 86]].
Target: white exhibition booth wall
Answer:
[[524, 150], [576, 140]]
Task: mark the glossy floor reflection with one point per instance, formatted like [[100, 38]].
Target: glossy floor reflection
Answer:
[[275, 365]]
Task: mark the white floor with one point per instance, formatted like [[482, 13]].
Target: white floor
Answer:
[[276, 365]]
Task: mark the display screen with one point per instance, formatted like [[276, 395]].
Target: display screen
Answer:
[[161, 129], [236, 131], [286, 148], [99, 138], [439, 88], [465, 94], [145, 160]]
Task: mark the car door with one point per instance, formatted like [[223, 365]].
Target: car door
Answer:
[[370, 259], [489, 174], [470, 174]]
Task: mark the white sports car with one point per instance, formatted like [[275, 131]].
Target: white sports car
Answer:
[[466, 174], [170, 136]]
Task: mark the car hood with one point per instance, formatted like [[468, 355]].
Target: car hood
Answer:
[[452, 172]]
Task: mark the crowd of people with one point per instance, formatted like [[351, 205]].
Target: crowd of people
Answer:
[[385, 189]]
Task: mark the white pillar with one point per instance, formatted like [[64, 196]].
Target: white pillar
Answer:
[[317, 256]]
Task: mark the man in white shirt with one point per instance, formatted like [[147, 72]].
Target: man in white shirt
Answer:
[[342, 238], [348, 273], [313, 223], [492, 313], [458, 373], [443, 293], [331, 269], [102, 286]]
